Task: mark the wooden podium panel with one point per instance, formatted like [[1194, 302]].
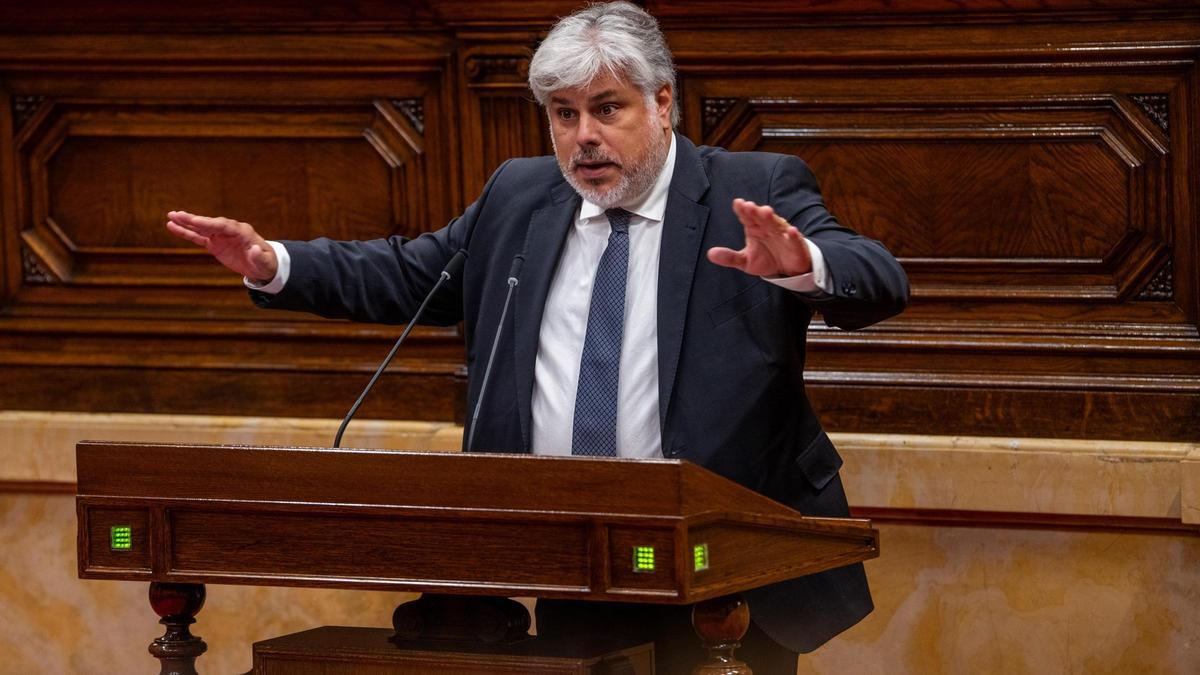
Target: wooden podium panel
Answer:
[[663, 531], [339, 650]]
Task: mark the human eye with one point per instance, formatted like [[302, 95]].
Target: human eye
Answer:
[[565, 114], [608, 109]]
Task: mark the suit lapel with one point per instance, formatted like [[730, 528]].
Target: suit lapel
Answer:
[[683, 231], [543, 244]]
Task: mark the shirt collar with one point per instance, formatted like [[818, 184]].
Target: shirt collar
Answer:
[[651, 204]]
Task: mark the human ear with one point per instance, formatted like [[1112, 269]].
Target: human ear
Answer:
[[665, 98]]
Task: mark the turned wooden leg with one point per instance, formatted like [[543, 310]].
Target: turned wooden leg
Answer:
[[721, 623], [177, 604]]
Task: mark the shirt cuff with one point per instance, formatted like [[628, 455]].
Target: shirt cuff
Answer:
[[284, 262], [815, 282]]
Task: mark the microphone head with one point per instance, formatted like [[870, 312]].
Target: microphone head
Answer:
[[514, 273], [455, 266]]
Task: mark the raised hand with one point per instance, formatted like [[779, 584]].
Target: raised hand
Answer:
[[774, 248], [235, 244]]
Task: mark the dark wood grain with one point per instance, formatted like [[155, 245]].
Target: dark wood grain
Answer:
[[760, 552], [465, 524], [178, 605], [721, 623], [1033, 163], [338, 650], [343, 546], [98, 530]]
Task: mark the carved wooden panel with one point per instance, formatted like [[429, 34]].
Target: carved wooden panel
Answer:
[[985, 199], [110, 312], [1037, 202], [501, 119], [96, 180], [1033, 166]]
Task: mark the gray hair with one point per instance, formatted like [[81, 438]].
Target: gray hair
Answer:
[[618, 37]]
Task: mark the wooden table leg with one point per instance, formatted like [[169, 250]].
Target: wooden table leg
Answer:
[[721, 623], [177, 649]]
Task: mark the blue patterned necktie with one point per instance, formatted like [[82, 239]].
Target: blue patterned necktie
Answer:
[[595, 431]]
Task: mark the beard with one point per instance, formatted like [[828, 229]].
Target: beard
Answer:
[[636, 175]]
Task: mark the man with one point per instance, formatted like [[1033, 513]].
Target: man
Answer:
[[623, 340]]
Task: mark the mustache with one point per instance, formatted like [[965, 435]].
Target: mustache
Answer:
[[591, 155]]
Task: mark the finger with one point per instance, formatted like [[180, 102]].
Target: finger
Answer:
[[184, 226], [761, 223], [790, 232], [766, 218], [745, 211], [772, 225], [782, 223], [184, 233], [759, 220], [181, 217], [727, 257], [207, 226], [216, 226]]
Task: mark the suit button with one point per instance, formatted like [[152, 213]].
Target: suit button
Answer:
[[848, 288]]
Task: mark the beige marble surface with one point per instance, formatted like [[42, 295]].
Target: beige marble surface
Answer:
[[986, 600], [1189, 493], [949, 599], [1028, 475], [1031, 475], [40, 446]]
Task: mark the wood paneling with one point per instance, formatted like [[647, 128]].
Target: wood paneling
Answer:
[[340, 650], [1031, 163], [1042, 199], [383, 547]]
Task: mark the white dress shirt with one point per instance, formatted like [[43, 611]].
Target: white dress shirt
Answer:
[[564, 322], [564, 326]]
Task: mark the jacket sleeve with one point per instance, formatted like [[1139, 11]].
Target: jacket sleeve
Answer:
[[867, 283], [378, 281]]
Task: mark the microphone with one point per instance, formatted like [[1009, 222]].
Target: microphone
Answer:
[[452, 269], [514, 275]]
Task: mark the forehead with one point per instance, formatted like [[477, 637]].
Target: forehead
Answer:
[[603, 86]]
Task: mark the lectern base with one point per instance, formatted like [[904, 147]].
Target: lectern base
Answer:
[[339, 650]]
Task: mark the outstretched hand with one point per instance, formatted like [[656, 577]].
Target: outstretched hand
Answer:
[[774, 247], [235, 244]]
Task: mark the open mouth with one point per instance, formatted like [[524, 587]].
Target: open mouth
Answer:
[[594, 169]]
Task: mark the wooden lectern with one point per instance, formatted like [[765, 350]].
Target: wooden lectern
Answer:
[[484, 526]]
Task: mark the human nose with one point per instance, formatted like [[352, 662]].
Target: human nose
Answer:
[[588, 131]]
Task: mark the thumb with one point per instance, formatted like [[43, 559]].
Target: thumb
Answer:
[[727, 257], [262, 261]]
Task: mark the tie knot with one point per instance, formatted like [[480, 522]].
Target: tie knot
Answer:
[[619, 219]]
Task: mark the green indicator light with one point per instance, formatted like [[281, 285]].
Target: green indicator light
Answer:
[[120, 537], [643, 558], [700, 557]]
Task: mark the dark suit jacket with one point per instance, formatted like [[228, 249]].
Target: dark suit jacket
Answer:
[[730, 346]]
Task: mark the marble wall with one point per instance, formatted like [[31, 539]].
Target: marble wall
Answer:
[[981, 598]]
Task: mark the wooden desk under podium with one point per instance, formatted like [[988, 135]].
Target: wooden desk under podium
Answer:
[[466, 529]]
